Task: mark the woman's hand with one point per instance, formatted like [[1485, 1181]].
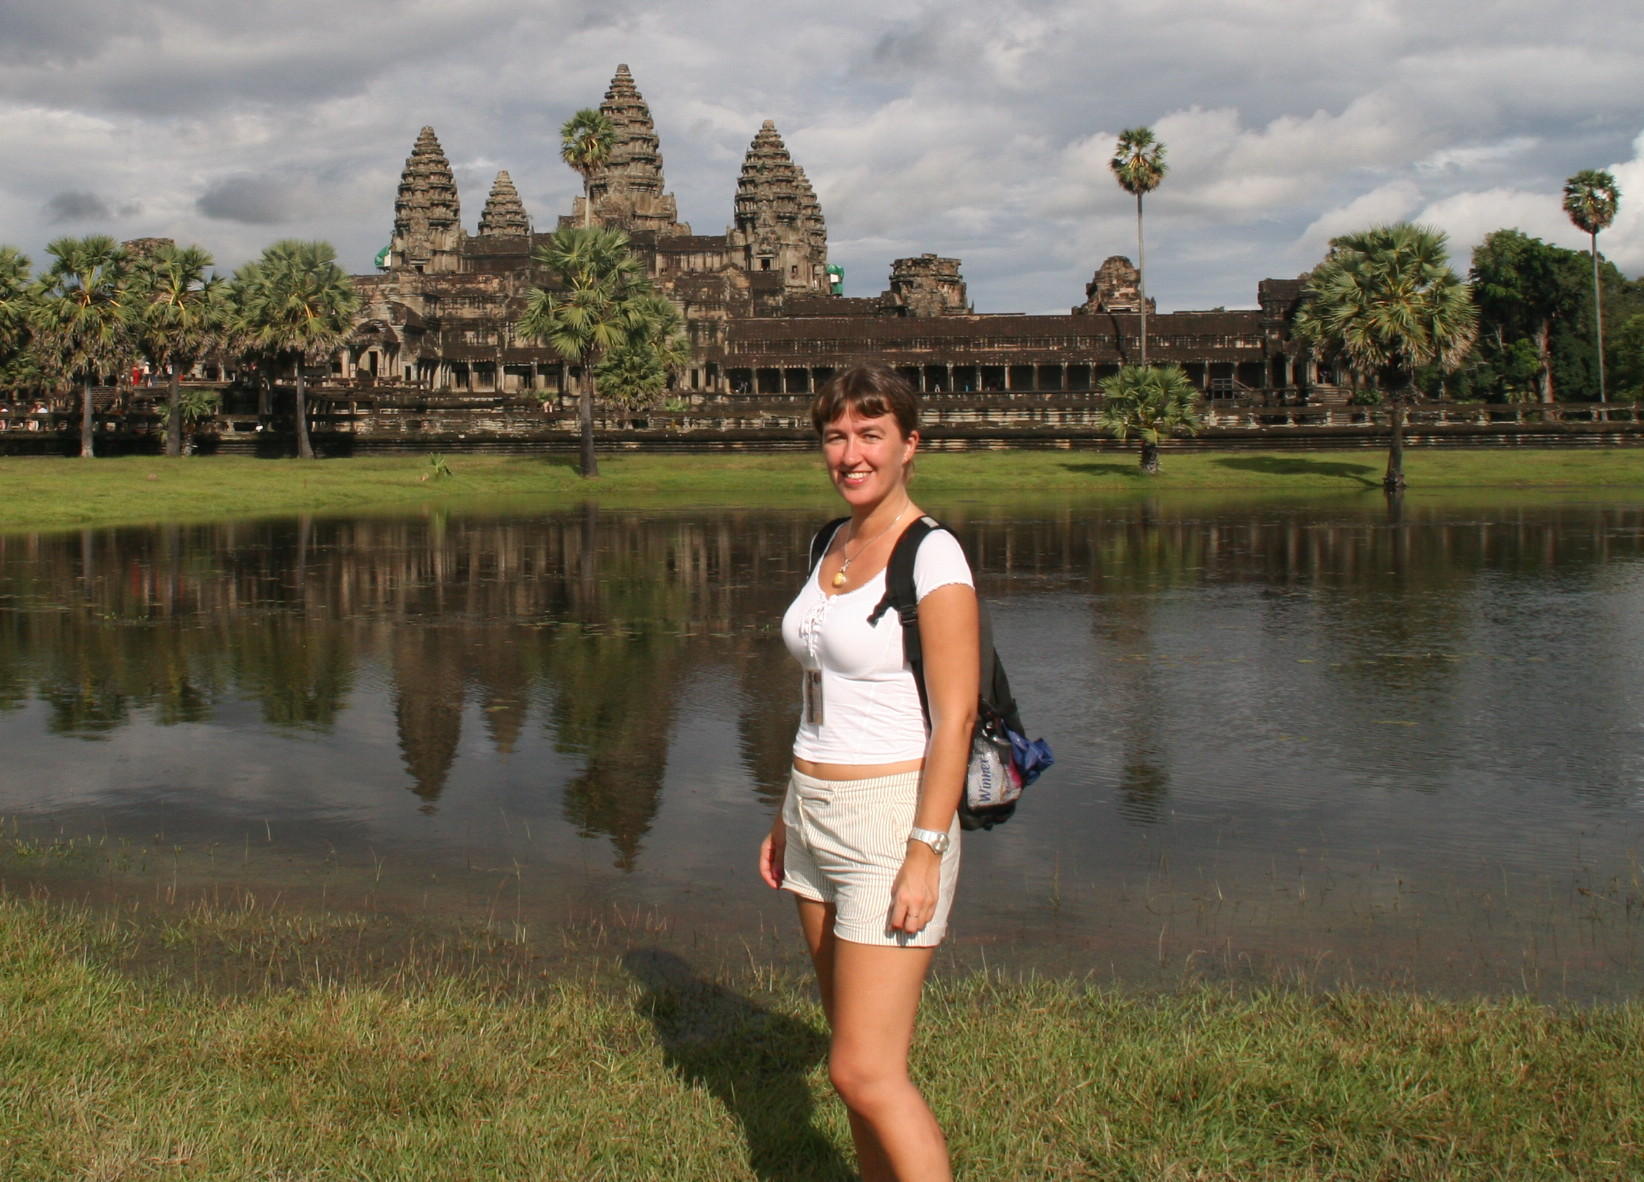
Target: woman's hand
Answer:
[[917, 888], [770, 853]]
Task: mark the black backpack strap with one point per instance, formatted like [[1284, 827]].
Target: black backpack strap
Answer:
[[901, 594], [821, 540]]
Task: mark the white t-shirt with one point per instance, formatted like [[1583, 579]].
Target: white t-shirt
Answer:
[[869, 704]]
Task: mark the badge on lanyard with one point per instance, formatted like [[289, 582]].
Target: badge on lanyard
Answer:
[[813, 697]]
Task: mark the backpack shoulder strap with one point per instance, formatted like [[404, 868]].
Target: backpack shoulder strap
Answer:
[[821, 540], [903, 595]]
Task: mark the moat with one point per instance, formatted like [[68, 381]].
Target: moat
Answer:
[[1294, 739]]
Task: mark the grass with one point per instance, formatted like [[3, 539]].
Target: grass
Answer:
[[122, 1059], [53, 493]]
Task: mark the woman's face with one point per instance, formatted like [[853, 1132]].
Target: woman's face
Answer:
[[867, 458]]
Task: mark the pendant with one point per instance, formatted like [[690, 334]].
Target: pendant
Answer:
[[839, 579]]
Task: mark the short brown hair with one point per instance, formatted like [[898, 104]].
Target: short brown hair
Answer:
[[871, 390]]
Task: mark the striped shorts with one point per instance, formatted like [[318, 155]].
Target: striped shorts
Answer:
[[846, 842]]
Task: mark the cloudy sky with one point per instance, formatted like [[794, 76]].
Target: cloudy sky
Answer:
[[973, 128]]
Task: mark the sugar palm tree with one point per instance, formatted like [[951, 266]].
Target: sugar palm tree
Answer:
[[1152, 402], [1590, 198], [14, 303], [81, 314], [1138, 165], [585, 143], [599, 305], [180, 315], [639, 372], [1386, 301], [295, 301]]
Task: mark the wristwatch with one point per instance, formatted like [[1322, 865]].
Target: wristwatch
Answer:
[[935, 838]]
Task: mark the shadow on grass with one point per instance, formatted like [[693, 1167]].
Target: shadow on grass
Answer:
[[753, 1061], [1297, 466], [1132, 470]]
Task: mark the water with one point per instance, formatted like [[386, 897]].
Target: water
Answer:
[[1292, 739]]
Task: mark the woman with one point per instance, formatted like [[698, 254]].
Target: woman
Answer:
[[868, 837]]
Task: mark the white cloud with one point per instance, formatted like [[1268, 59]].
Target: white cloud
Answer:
[[1392, 202]]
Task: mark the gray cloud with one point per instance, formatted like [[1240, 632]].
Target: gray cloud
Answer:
[[79, 205], [974, 128], [251, 200]]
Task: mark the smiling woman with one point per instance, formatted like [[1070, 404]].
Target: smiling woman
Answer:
[[867, 839]]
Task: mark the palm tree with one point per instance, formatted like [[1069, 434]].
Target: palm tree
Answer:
[[601, 302], [1138, 165], [14, 306], [639, 372], [1386, 301], [81, 312], [181, 313], [1153, 402], [1590, 198], [296, 301], [585, 143]]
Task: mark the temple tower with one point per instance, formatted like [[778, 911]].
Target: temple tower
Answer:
[[628, 190], [504, 214], [427, 215], [1115, 287], [778, 222], [927, 285]]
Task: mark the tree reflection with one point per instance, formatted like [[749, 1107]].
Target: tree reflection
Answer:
[[582, 628]]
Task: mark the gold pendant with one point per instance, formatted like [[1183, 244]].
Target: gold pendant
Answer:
[[839, 579]]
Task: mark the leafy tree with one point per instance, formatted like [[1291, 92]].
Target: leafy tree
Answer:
[[585, 143], [1525, 290], [1629, 354], [15, 296], [638, 372], [1386, 301], [181, 314], [81, 313], [1152, 402], [296, 302], [602, 301], [1138, 165], [1590, 198], [194, 406]]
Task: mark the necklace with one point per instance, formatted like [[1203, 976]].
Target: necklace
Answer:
[[839, 579]]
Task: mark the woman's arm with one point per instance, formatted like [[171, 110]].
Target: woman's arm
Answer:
[[949, 637]]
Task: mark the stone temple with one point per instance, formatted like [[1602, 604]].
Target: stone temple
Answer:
[[761, 305]]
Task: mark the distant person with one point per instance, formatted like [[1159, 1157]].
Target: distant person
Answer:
[[868, 836]]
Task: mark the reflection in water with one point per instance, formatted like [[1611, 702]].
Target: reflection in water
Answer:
[[1242, 688]]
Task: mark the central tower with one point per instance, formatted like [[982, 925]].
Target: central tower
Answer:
[[628, 189]]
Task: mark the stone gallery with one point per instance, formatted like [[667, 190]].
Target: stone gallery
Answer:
[[763, 310]]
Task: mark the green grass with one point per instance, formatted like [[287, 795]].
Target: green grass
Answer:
[[63, 493], [53, 494], [121, 1058]]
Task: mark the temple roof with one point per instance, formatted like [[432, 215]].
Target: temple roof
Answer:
[[628, 188], [427, 198], [770, 189], [504, 214]]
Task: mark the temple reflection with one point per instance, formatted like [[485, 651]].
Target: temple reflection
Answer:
[[580, 627]]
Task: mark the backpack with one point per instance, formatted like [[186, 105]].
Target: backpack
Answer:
[[1003, 760]]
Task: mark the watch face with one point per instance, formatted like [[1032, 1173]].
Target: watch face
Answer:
[[936, 840]]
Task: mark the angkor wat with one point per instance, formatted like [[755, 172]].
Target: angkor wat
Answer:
[[763, 311]]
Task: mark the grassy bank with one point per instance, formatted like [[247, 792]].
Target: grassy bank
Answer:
[[123, 1058], [61, 493]]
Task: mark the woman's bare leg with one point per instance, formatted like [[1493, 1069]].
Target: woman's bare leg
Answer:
[[870, 994]]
